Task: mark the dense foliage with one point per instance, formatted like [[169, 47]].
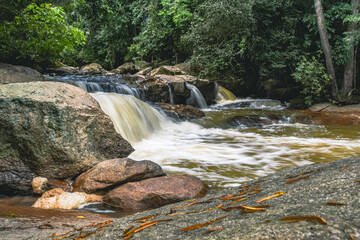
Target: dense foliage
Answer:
[[241, 43]]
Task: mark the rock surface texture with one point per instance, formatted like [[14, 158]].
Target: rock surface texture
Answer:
[[53, 130], [155, 192], [59, 199], [115, 172], [18, 74]]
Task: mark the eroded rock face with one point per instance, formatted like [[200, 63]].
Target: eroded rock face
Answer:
[[114, 172], [18, 74], [181, 112], [155, 192], [57, 198], [53, 130]]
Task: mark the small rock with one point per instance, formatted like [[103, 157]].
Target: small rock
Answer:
[[58, 198], [166, 70], [38, 184], [155, 192], [114, 172]]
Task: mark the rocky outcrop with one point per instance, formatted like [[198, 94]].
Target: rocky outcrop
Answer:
[[115, 172], [18, 74], [181, 112], [53, 130], [329, 114], [57, 198], [125, 68], [64, 70], [158, 87], [155, 192], [92, 69], [167, 70]]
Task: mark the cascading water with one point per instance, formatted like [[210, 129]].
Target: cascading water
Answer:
[[224, 95], [196, 98], [134, 119], [171, 95], [93, 84]]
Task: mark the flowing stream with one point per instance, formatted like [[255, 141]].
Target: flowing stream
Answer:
[[237, 140]]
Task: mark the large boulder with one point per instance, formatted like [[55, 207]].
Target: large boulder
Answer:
[[59, 199], [53, 130], [125, 68], [166, 70], [155, 192], [92, 69], [115, 172], [18, 74]]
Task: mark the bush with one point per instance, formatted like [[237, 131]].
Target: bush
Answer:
[[316, 83]]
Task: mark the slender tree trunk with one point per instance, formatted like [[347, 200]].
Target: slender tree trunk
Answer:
[[326, 47], [350, 68]]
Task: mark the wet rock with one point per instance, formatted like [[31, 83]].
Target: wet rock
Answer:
[[327, 118], [115, 172], [128, 67], [181, 112], [166, 70], [250, 121], [53, 130], [64, 70], [58, 198], [252, 103], [144, 71], [155, 192], [18, 74], [92, 69]]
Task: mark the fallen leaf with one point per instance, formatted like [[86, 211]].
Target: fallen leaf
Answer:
[[267, 198], [335, 204], [80, 217], [267, 220], [144, 219], [344, 168], [128, 230], [357, 181], [243, 207], [304, 218], [239, 200], [352, 237], [129, 237], [296, 179], [143, 226], [197, 226], [298, 175]]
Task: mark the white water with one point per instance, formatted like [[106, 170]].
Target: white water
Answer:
[[223, 157], [133, 118], [196, 98]]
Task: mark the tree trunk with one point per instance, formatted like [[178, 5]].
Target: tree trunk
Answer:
[[350, 68], [326, 47]]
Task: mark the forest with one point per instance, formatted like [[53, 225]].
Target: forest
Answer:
[[304, 48]]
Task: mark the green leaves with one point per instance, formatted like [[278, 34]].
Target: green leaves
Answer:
[[38, 34]]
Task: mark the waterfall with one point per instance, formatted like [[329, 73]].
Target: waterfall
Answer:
[[171, 95], [133, 119], [224, 95], [93, 84], [196, 98]]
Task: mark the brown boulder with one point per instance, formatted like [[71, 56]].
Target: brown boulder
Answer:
[[166, 70], [155, 192], [115, 172], [53, 130], [92, 69], [128, 67], [18, 74]]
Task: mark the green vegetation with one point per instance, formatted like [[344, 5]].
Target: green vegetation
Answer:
[[243, 44]]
